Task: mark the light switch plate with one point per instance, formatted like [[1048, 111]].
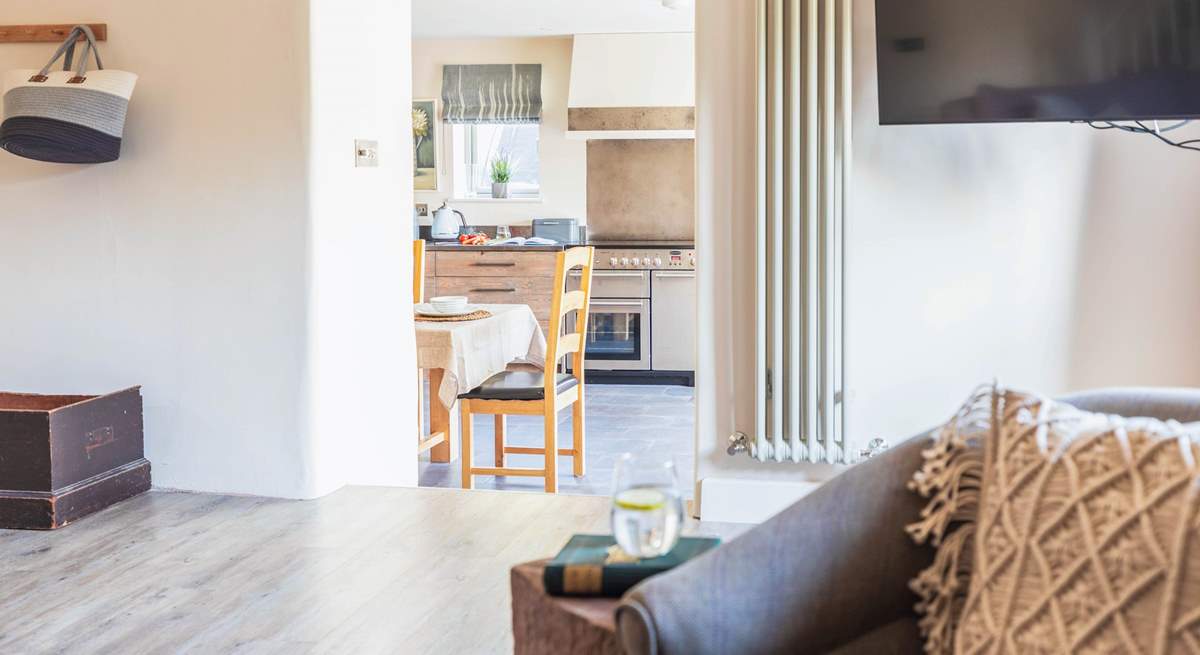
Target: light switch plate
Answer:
[[366, 153]]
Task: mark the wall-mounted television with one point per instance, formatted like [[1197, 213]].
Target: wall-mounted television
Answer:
[[985, 61]]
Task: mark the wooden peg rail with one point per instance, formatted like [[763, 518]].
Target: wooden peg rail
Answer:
[[46, 33]]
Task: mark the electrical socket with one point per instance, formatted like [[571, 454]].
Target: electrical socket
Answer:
[[366, 153]]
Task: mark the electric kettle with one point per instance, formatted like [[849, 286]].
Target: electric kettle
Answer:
[[445, 223]]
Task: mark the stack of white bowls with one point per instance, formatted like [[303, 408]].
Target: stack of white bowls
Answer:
[[449, 304]]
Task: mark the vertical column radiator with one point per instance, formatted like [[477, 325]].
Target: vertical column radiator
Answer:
[[803, 163]]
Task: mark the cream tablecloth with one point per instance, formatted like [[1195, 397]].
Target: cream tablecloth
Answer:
[[473, 351]]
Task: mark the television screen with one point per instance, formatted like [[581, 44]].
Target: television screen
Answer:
[[966, 61]]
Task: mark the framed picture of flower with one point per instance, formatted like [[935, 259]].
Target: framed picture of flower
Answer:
[[425, 145]]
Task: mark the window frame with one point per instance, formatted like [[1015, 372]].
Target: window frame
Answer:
[[464, 150]]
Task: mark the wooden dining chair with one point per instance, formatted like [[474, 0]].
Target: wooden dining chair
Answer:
[[544, 393], [424, 441], [418, 271]]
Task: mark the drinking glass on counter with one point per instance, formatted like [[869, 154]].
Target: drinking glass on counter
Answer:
[[502, 232], [647, 509]]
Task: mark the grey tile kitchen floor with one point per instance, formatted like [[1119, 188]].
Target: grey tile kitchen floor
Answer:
[[651, 420]]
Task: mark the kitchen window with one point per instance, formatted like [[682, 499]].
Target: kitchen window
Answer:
[[477, 145]]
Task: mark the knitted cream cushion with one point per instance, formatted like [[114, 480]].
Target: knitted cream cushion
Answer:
[[1078, 532]]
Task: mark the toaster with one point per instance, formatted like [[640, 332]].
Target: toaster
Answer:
[[562, 230]]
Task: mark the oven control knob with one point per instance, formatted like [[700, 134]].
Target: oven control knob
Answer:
[[636, 262], [624, 261], [658, 261], [612, 261], [692, 261]]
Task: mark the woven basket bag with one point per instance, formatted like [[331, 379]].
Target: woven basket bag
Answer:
[[69, 116]]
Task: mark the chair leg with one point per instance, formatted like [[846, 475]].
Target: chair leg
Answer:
[[550, 418], [501, 425], [468, 482], [577, 434]]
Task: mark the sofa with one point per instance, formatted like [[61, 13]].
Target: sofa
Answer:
[[829, 574]]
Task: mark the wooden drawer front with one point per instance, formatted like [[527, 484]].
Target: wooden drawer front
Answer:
[[533, 291], [496, 264], [430, 279]]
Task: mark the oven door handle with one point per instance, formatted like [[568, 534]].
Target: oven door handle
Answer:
[[617, 303], [670, 274]]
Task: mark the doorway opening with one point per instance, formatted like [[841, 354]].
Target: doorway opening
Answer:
[[597, 146]]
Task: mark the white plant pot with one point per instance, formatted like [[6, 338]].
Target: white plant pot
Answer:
[[499, 189]]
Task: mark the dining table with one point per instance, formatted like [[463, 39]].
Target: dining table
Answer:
[[461, 354]]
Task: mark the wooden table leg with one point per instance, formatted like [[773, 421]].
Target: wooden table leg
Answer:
[[442, 419]]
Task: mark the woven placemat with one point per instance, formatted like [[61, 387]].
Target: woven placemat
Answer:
[[473, 316]]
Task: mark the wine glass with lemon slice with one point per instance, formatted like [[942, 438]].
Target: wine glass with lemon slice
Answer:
[[647, 509]]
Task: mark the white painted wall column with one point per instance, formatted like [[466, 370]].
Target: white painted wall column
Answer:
[[361, 350]]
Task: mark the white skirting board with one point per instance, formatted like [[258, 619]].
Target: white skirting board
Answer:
[[739, 500]]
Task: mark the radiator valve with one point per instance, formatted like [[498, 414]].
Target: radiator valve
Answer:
[[874, 447], [738, 443]]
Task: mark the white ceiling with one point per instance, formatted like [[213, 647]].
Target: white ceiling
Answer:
[[470, 18]]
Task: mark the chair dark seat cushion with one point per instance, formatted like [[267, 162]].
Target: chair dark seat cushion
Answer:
[[518, 385]]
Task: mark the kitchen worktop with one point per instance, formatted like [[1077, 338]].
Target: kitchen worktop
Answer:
[[451, 246]]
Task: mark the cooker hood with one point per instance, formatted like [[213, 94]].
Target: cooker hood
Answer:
[[632, 86]]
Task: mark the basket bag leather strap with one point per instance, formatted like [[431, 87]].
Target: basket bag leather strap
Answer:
[[68, 48]]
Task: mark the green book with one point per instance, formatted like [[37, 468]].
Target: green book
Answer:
[[584, 566]]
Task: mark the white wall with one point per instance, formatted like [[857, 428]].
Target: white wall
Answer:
[[1139, 296], [962, 251], [610, 70], [563, 161], [190, 266], [725, 88], [972, 252], [361, 351]]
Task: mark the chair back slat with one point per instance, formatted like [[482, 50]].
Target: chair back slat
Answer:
[[578, 258], [573, 300], [570, 343], [558, 344]]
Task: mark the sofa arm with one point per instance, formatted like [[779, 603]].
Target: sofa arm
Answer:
[[821, 575]]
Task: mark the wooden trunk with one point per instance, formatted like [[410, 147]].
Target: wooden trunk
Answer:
[[64, 457]]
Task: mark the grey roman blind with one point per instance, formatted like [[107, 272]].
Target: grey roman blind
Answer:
[[492, 93]]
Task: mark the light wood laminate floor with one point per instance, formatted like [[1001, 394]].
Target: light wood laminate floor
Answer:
[[363, 570]]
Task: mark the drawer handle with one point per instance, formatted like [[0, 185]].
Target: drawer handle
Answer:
[[616, 303], [493, 291], [497, 264]]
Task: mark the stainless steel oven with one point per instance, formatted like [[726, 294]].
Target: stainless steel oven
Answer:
[[641, 324], [618, 335], [673, 337], [618, 331]]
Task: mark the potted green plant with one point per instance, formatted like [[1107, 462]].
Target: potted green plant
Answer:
[[501, 173]]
